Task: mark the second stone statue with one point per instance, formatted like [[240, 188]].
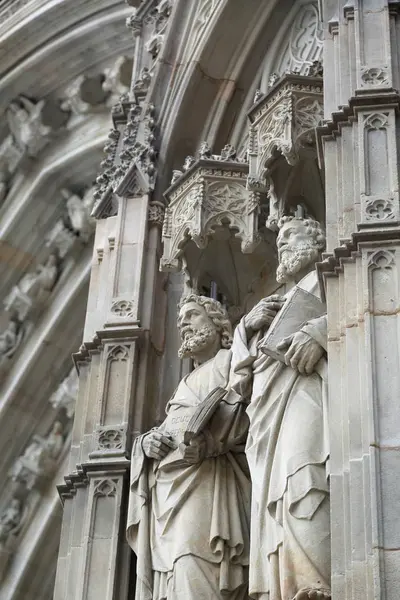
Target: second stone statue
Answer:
[[288, 445]]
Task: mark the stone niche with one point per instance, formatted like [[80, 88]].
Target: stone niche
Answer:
[[282, 149], [222, 211], [213, 226]]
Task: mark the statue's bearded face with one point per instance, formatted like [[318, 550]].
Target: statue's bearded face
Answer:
[[296, 249], [196, 329]]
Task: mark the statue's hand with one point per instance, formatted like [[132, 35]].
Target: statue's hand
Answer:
[[195, 451], [263, 313], [156, 445], [303, 352]]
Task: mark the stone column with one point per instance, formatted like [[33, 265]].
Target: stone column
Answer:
[[362, 283], [120, 357], [111, 408]]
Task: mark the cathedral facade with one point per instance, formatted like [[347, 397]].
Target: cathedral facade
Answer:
[[199, 201]]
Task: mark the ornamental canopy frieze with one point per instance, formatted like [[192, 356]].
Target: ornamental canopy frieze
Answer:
[[210, 194], [283, 123]]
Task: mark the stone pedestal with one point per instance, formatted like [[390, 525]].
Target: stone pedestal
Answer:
[[361, 274]]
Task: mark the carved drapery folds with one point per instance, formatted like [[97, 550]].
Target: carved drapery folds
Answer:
[[210, 194], [10, 339]]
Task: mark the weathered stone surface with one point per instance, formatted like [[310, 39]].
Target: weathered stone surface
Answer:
[[154, 82]]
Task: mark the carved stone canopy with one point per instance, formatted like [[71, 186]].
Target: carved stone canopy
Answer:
[[211, 194], [129, 166], [283, 122]]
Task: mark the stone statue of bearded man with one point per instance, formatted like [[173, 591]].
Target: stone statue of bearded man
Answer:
[[287, 447], [189, 506]]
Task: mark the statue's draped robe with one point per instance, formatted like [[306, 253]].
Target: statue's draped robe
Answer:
[[189, 525], [287, 451]]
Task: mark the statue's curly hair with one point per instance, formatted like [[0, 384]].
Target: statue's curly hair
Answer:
[[314, 229], [216, 312]]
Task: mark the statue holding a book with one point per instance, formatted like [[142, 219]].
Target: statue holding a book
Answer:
[[189, 504], [287, 447]]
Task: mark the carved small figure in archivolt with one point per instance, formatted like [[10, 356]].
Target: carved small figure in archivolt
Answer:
[[10, 520], [38, 284], [79, 211], [40, 456], [10, 339], [25, 122]]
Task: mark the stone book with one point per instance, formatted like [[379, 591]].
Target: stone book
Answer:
[[189, 423], [300, 307]]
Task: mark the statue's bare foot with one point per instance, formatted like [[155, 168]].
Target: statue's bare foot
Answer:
[[313, 594]]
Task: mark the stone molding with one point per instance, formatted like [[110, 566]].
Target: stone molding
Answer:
[[372, 115], [118, 466], [332, 263], [374, 99], [115, 332]]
